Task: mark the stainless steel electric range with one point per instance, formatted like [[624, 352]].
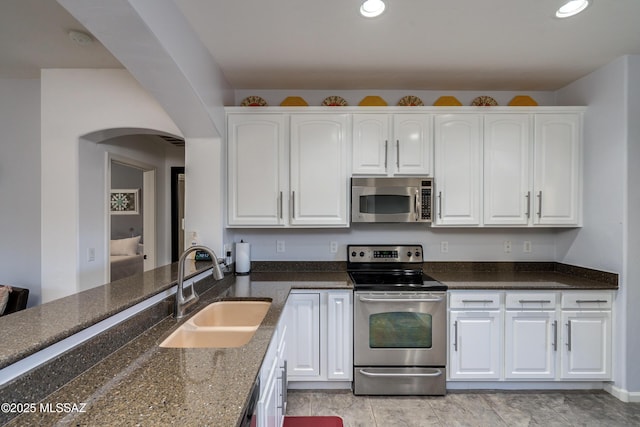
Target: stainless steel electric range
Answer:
[[400, 315]]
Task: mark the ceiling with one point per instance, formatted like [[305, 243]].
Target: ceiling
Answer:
[[416, 44]]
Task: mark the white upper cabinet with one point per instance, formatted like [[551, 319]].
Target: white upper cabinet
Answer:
[[458, 169], [557, 171], [319, 172], [392, 144], [507, 169], [370, 144], [258, 169], [288, 170], [413, 136]]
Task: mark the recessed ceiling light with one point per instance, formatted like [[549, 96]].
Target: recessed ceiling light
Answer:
[[372, 8], [79, 37], [572, 7]]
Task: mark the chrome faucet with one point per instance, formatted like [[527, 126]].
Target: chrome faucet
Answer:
[[183, 303]]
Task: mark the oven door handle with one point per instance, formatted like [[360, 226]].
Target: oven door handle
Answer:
[[366, 299], [435, 373]]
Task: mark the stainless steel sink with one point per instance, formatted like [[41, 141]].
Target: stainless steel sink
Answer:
[[222, 324]]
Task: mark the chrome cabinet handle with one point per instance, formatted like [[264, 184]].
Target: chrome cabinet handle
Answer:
[[386, 145], [439, 204], [534, 301], [591, 301], [528, 197], [539, 204], [365, 299], [569, 335], [455, 335], [478, 301], [555, 335], [280, 206], [435, 373], [397, 154], [293, 204], [283, 378]]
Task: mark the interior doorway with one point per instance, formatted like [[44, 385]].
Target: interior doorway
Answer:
[[177, 212], [131, 228]]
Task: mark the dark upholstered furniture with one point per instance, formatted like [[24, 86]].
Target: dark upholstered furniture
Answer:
[[17, 300]]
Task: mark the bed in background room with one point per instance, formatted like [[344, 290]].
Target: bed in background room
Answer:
[[126, 257]]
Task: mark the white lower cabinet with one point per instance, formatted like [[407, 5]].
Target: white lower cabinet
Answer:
[[272, 404], [320, 325], [586, 342], [543, 335], [475, 336], [531, 335]]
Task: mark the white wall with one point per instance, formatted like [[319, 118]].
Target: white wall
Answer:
[[92, 227], [20, 185], [464, 244], [632, 233], [75, 103]]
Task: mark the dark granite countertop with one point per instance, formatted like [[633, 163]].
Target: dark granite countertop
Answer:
[[520, 276], [144, 384], [28, 331]]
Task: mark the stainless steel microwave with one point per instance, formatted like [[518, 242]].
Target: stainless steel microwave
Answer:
[[391, 199]]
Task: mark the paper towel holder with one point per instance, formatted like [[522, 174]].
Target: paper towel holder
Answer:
[[246, 263]]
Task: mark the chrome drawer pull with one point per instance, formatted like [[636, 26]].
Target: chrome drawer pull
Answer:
[[555, 335], [591, 301], [455, 335], [534, 301], [436, 373], [365, 299], [569, 335], [479, 301]]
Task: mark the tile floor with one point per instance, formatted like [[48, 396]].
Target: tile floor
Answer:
[[491, 409]]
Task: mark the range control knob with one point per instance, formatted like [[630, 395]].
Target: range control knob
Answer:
[[409, 254], [417, 253], [361, 254], [353, 254]]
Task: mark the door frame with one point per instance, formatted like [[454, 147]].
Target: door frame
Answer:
[[175, 228], [149, 211]]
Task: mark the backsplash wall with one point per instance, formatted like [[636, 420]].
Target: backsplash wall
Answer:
[[463, 244]]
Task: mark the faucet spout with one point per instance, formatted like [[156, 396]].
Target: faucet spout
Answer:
[[182, 302]]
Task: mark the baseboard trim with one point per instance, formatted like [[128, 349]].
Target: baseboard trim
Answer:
[[623, 395]]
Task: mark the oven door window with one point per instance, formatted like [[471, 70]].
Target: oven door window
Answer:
[[400, 329], [386, 204]]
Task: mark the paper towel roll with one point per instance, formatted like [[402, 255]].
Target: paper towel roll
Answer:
[[243, 258]]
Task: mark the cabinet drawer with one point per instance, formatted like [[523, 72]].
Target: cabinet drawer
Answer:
[[475, 300], [530, 300], [589, 300]]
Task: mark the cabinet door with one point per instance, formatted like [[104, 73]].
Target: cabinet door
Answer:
[[303, 336], [586, 345], [475, 345], [507, 169], [370, 144], [530, 344], [268, 404], [319, 170], [458, 179], [557, 170], [413, 135], [339, 336], [257, 162]]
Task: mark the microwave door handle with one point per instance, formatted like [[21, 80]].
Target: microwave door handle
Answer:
[[415, 208]]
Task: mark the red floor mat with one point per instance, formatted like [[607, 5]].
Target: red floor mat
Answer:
[[290, 421]]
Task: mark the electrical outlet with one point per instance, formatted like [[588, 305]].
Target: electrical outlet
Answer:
[[444, 247], [334, 247], [280, 246], [526, 247], [507, 246]]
